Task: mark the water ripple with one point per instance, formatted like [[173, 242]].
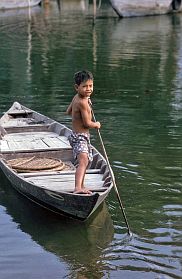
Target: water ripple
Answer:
[[141, 255]]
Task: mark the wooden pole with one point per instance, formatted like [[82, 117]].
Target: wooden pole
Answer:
[[112, 175]]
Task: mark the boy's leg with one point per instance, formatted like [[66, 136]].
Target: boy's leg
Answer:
[[80, 173]]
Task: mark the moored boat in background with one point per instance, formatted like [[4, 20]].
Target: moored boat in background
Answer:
[[133, 8], [13, 4]]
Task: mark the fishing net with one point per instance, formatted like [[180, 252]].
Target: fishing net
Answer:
[[30, 164]]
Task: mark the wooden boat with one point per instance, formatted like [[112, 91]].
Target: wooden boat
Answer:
[[36, 157], [13, 4], [132, 8]]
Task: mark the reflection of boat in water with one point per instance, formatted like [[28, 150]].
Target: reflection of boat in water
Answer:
[[76, 243], [132, 31], [126, 8], [13, 4], [79, 5], [16, 15], [130, 36]]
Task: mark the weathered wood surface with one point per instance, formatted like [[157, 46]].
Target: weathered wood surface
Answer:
[[17, 122], [33, 141], [11, 4], [20, 112], [21, 122], [49, 173], [66, 183], [125, 8]]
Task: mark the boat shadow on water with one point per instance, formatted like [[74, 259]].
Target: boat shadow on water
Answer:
[[80, 244]]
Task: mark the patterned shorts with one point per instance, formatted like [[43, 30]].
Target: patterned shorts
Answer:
[[80, 142]]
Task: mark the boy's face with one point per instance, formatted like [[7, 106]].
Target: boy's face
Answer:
[[85, 88]]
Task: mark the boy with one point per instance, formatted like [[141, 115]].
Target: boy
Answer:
[[79, 139]]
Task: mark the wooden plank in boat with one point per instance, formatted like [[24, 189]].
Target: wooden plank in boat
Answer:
[[27, 128], [50, 183], [70, 177], [54, 142], [46, 136], [34, 141], [35, 144], [14, 123], [30, 135], [26, 145], [4, 145], [12, 145], [64, 139], [49, 173], [23, 122], [17, 112], [92, 181], [70, 187]]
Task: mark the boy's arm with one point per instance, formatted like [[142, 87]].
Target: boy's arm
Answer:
[[87, 121], [69, 109]]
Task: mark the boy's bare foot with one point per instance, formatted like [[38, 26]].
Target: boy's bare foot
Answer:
[[87, 191], [83, 191]]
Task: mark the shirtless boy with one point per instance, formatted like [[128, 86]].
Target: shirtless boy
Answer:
[[79, 139]]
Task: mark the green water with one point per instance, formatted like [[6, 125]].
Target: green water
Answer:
[[137, 65]]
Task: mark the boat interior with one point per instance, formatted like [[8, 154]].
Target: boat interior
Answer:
[[29, 137]]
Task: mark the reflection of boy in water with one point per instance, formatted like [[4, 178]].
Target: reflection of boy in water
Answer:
[[81, 114]]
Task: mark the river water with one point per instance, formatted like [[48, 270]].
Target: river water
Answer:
[[137, 65]]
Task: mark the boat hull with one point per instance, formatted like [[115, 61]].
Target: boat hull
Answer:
[[145, 8], [14, 4]]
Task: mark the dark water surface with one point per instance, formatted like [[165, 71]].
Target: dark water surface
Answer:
[[137, 64]]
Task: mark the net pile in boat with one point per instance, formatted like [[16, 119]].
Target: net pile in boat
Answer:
[[29, 164]]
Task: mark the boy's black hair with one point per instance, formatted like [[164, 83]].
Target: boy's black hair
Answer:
[[82, 76]]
